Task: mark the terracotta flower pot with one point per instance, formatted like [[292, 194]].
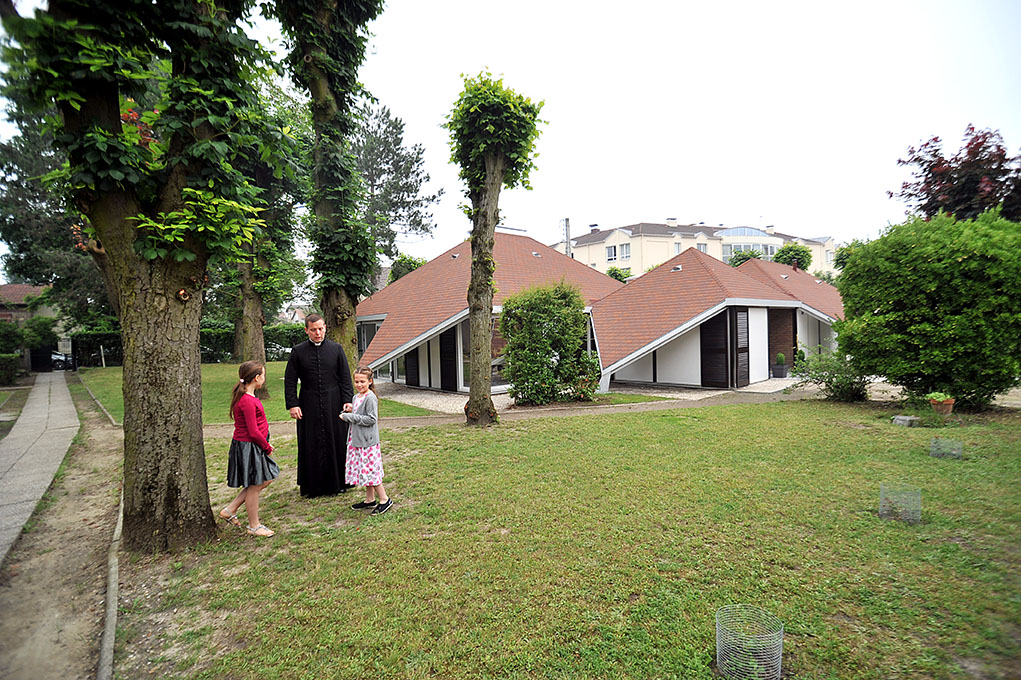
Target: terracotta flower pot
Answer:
[[944, 408]]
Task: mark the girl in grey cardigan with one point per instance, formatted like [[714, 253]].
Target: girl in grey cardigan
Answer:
[[364, 458]]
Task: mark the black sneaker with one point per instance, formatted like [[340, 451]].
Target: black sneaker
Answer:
[[383, 507], [363, 505]]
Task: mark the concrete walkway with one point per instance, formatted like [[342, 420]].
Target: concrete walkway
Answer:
[[31, 453]]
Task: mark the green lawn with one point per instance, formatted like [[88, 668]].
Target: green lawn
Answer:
[[601, 546], [218, 381]]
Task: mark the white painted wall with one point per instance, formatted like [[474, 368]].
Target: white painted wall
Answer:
[[812, 332], [640, 370], [758, 344], [434, 353], [680, 360]]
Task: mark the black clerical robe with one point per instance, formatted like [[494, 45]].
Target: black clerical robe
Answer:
[[322, 436]]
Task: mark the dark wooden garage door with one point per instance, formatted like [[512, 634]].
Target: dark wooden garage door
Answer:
[[713, 340], [411, 368]]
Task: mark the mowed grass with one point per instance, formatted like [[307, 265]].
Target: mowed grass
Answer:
[[218, 381], [601, 547]]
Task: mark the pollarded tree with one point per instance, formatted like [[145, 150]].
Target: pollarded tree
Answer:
[[621, 274], [743, 256], [794, 253], [978, 177], [392, 176], [156, 210], [492, 137], [932, 305], [327, 40]]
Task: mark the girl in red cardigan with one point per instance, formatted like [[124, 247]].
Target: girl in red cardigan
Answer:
[[248, 464]]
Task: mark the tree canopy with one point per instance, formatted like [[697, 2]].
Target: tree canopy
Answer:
[[932, 305], [743, 256], [393, 176], [794, 252], [978, 177], [404, 265]]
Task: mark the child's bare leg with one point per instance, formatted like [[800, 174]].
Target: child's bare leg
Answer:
[[252, 503], [370, 494], [379, 491], [234, 505]]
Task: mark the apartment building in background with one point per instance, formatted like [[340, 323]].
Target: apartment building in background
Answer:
[[640, 247]]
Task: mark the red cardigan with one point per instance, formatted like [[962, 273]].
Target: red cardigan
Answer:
[[250, 424]]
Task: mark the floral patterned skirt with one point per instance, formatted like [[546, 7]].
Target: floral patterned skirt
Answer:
[[364, 465]]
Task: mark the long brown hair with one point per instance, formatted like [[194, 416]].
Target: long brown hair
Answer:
[[247, 372], [366, 371]]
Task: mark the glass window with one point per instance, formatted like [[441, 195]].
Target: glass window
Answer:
[[625, 251], [677, 248], [702, 247], [366, 331], [829, 257], [401, 372], [465, 354], [611, 253]]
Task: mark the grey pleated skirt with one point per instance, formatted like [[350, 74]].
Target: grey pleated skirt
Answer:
[[248, 465]]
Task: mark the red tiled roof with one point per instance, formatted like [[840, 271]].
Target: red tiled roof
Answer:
[[661, 300], [15, 293], [438, 290], [799, 284]]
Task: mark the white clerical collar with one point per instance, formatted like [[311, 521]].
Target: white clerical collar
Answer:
[[317, 343]]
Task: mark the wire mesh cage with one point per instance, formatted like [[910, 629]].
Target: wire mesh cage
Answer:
[[900, 501], [749, 643], [945, 448]]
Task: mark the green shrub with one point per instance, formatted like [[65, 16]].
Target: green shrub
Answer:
[[793, 252], [621, 274], [10, 366], [834, 373], [10, 337], [284, 334], [546, 361], [38, 332], [933, 305]]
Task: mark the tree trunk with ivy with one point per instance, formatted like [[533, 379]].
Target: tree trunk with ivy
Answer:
[[479, 410], [249, 328], [155, 218], [329, 45]]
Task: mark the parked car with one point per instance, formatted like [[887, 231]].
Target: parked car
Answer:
[[275, 352], [61, 362]]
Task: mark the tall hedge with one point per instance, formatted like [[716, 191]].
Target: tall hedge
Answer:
[[217, 344], [546, 361], [933, 305]]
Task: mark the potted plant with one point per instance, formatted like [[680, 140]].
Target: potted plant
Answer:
[[942, 403], [780, 369]]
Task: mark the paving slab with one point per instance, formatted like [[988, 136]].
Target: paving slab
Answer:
[[32, 452]]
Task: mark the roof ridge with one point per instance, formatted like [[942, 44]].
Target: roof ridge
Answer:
[[711, 271]]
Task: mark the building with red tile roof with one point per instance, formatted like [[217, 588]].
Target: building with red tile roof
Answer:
[[697, 321], [14, 300], [417, 327]]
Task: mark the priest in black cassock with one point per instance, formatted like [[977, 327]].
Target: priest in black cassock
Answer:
[[321, 367]]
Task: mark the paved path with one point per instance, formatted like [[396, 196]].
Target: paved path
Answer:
[[31, 453]]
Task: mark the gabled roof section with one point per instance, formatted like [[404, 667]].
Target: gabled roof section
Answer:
[[797, 283], [15, 293], [437, 291], [665, 298]]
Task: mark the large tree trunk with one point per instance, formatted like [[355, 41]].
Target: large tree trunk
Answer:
[[249, 333], [479, 410], [339, 313], [159, 302]]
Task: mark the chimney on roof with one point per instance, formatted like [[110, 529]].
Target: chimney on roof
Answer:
[[795, 265], [770, 229], [671, 221], [594, 228]]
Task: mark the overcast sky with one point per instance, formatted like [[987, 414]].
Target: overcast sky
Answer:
[[738, 113]]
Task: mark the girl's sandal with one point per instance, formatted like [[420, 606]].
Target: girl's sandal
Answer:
[[230, 519], [260, 530]]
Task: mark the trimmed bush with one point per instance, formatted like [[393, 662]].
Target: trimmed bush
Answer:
[[10, 337], [546, 360], [934, 305]]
